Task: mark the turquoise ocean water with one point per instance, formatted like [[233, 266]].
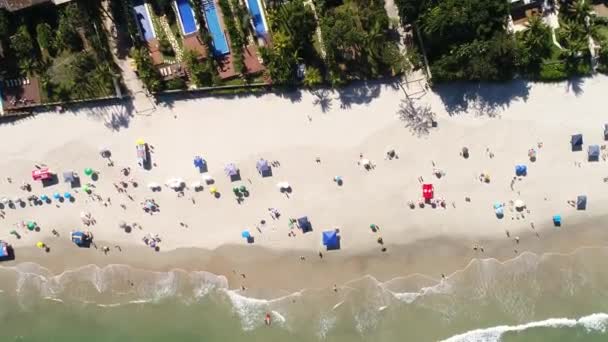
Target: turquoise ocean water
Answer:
[[530, 298]]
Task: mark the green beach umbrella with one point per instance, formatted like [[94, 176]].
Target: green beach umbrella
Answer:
[[236, 190], [31, 225], [242, 188], [86, 189], [88, 171]]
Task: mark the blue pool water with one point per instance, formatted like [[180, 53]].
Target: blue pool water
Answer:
[[256, 15], [186, 16], [142, 18], [220, 45]]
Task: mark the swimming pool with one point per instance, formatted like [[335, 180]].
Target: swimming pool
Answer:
[[257, 17], [220, 45], [186, 16], [144, 21]]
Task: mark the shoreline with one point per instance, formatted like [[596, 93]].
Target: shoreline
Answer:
[[282, 271]]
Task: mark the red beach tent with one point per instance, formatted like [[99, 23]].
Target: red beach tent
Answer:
[[428, 191], [41, 174]]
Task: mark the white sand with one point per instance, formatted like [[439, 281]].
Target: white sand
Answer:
[[241, 130]]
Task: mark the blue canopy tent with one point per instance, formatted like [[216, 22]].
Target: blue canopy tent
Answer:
[[581, 202], [81, 239], [200, 163], [557, 220], [331, 239], [304, 224], [263, 168], [5, 251], [232, 171], [577, 142], [521, 170], [594, 152]]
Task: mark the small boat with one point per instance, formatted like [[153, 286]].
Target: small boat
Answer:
[[267, 319]]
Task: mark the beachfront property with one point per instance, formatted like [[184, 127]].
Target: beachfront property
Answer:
[[258, 19], [187, 37], [521, 10], [25, 47]]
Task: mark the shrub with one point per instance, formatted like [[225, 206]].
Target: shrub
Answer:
[[551, 72], [176, 84]]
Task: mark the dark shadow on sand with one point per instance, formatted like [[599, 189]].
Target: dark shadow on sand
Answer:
[[482, 99]]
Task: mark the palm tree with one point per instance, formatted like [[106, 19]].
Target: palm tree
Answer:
[[578, 10]]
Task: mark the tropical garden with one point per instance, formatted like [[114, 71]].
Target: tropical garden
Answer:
[[337, 41], [62, 47], [470, 40]]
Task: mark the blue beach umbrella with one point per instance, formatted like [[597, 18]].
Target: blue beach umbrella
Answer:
[[57, 196], [67, 195], [44, 197], [497, 205], [245, 234]]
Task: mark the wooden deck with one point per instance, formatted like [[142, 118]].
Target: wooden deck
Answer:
[[194, 43], [250, 55], [154, 48], [20, 93]]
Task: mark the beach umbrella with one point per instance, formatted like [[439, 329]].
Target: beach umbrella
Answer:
[[86, 189], [236, 190], [57, 196], [245, 234], [499, 211], [140, 142], [519, 204], [283, 185], [44, 198], [4, 200], [40, 245], [497, 205], [196, 185], [242, 188], [207, 179], [153, 186], [31, 225], [175, 183], [213, 190], [67, 195], [88, 171]]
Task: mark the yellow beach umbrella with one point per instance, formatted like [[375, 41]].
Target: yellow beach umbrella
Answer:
[[140, 142], [40, 244], [213, 190]]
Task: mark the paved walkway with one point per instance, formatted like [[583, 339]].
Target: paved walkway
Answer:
[[142, 102]]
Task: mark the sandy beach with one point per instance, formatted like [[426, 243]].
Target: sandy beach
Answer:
[[315, 138]]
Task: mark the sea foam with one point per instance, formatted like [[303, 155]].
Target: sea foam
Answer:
[[594, 322]]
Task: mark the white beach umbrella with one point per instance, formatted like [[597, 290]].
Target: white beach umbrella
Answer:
[[175, 183], [4, 200], [207, 178], [283, 185], [153, 186], [519, 204], [196, 185], [365, 162]]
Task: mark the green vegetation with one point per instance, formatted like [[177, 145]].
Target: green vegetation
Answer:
[[203, 74], [357, 41], [145, 69], [293, 25], [62, 47], [468, 40]]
